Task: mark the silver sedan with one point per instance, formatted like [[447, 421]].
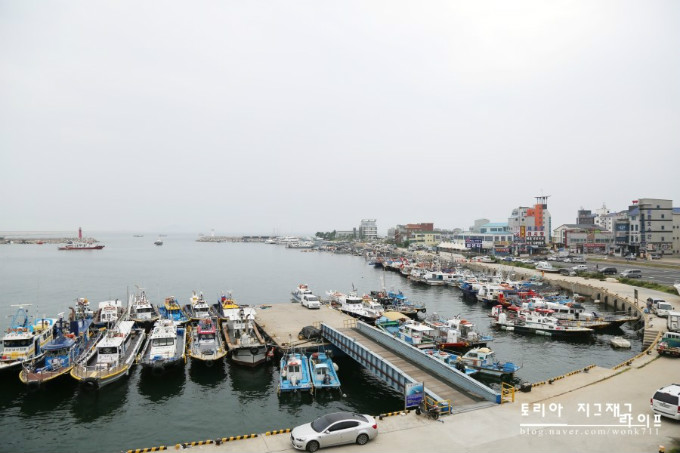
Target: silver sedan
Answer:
[[337, 428]]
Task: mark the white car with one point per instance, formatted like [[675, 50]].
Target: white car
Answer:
[[580, 268], [666, 401], [310, 301], [337, 428]]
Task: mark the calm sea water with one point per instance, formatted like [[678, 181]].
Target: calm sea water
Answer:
[[199, 403]]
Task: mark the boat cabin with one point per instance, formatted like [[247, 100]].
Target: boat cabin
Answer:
[[112, 348], [415, 333]]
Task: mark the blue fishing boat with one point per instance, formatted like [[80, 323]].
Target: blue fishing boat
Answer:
[[61, 353], [484, 360], [173, 311], [324, 372], [294, 375]]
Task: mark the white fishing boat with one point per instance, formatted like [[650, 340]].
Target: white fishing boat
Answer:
[[416, 334], [108, 313], [244, 340], [197, 308], [24, 340], [141, 311], [539, 324], [165, 347], [354, 306], [112, 358]]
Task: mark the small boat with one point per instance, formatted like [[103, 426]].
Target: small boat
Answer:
[[484, 361], [112, 358], [108, 313], [205, 342], [538, 324], [24, 340], [158, 242], [324, 372], [61, 353], [165, 347], [451, 360], [416, 334], [294, 373], [619, 342], [172, 310], [244, 341], [197, 308], [141, 311], [298, 292]]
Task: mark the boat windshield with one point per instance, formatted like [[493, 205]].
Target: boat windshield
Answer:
[[207, 336], [163, 341], [17, 343], [108, 350]]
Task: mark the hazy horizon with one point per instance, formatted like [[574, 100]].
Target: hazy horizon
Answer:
[[255, 118]]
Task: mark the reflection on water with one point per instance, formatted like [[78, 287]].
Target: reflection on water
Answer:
[[48, 399], [251, 384], [207, 374], [89, 405], [160, 388]]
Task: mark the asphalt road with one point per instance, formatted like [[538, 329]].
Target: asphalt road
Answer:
[[656, 271]]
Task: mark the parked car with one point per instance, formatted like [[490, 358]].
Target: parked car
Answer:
[[567, 271], [631, 273], [662, 309], [609, 271], [656, 256], [630, 257], [580, 268], [666, 401], [566, 260], [337, 428]]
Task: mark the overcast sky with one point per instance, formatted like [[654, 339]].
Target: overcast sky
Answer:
[[252, 117]]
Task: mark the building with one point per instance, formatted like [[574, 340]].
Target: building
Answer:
[[604, 219], [494, 238], [676, 231], [531, 227], [403, 233], [585, 217], [368, 229], [583, 238], [651, 226]]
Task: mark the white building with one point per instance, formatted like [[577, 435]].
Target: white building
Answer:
[[368, 229]]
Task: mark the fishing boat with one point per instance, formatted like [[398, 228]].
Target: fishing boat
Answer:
[[24, 340], [484, 361], [223, 308], [299, 291], [539, 324], [69, 343], [165, 347], [324, 372], [451, 360], [141, 311], [172, 310], [112, 358], [205, 341], [245, 344], [416, 334], [354, 306], [455, 334], [294, 373], [197, 308], [158, 241], [108, 313]]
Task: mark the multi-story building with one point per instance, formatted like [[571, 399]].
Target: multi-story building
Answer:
[[583, 238], [486, 238], [651, 226], [676, 231], [604, 219], [403, 233], [368, 229], [531, 227], [585, 217]]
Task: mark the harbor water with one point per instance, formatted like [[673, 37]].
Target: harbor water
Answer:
[[198, 402]]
